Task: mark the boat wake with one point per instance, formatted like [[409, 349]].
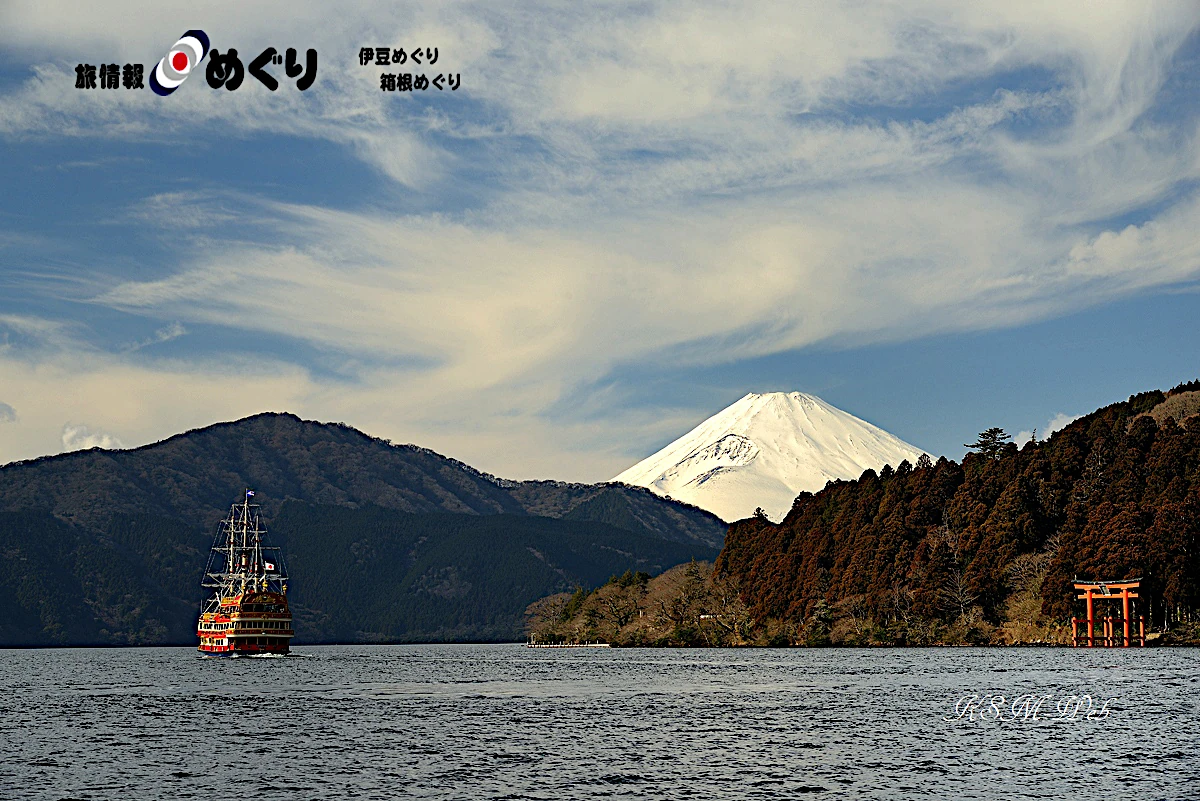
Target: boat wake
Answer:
[[257, 656]]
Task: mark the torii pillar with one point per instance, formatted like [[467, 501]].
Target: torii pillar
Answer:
[[1125, 614], [1091, 619]]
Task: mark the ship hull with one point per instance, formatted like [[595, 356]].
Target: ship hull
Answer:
[[245, 650]]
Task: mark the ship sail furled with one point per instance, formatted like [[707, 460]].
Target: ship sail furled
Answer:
[[247, 612]]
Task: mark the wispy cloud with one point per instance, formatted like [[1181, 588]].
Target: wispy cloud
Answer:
[[648, 184], [24, 332], [182, 210], [165, 334]]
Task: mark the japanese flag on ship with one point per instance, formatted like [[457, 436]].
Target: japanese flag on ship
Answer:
[[177, 64], [269, 565]]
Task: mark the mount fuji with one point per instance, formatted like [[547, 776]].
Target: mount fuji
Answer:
[[763, 451]]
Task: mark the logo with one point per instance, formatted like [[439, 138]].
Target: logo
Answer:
[[223, 71], [177, 64]]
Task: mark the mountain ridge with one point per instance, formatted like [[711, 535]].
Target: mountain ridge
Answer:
[[405, 477]]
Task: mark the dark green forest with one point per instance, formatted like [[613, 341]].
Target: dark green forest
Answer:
[[384, 543], [359, 575], [986, 550], [372, 575]]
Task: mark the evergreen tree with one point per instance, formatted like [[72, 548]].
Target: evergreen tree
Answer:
[[991, 443]]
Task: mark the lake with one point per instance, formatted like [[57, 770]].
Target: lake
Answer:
[[505, 721]]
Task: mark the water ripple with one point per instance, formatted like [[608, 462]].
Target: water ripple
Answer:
[[505, 722]]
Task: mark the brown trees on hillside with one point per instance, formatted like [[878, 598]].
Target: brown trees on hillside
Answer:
[[988, 548]]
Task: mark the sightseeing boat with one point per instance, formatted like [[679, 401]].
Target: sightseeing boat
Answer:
[[247, 612]]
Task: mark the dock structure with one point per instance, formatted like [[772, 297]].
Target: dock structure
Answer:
[[1100, 591]]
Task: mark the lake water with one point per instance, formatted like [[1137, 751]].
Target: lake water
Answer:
[[504, 721]]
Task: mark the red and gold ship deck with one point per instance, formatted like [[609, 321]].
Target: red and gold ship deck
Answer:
[[257, 623]]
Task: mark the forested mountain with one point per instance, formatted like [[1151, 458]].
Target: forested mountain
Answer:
[[989, 546], [196, 475], [108, 546], [373, 575]]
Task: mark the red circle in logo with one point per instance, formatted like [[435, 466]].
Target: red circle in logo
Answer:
[[179, 61]]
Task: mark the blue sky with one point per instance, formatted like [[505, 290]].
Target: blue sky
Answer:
[[937, 217]]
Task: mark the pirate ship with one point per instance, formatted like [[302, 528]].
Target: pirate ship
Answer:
[[247, 612]]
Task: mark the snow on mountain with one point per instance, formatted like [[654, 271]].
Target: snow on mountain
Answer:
[[763, 451]]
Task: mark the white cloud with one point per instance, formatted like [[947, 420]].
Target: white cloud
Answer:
[[183, 210], [129, 405], [81, 438], [486, 307], [1055, 423], [1059, 422], [21, 328], [7, 413]]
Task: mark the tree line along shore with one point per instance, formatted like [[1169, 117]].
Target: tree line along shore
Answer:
[[940, 552]]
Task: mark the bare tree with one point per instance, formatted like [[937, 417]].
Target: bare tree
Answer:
[[544, 615], [619, 605], [955, 594]]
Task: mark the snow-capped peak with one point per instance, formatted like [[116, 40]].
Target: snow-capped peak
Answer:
[[764, 450]]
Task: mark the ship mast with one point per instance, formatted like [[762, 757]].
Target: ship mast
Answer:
[[240, 562]]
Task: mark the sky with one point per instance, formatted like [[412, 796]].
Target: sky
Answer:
[[938, 216]]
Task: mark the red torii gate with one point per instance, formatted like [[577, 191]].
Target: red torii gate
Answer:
[[1108, 591]]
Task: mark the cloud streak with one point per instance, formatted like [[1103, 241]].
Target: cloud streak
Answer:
[[165, 334]]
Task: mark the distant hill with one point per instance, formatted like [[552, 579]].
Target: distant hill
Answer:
[[108, 546], [196, 475]]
